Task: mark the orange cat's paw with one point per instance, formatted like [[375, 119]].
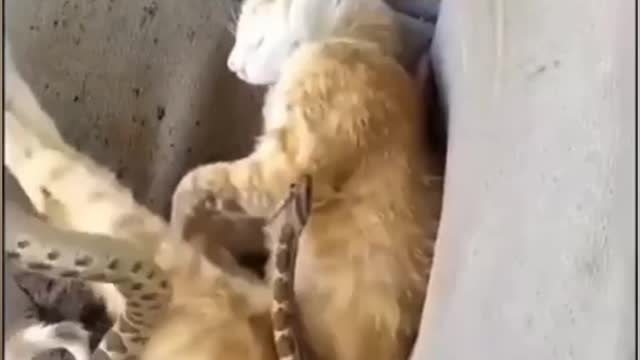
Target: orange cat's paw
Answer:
[[213, 179], [205, 184]]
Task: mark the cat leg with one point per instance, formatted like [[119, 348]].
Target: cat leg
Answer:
[[257, 183], [237, 190], [253, 185], [73, 191]]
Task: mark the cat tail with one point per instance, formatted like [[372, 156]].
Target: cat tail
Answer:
[[20, 100], [36, 246], [38, 338]]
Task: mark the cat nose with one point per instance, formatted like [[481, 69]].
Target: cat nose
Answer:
[[232, 62]]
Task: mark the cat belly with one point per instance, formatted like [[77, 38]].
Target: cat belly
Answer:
[[345, 324]]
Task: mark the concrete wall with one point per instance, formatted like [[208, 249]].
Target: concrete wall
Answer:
[[140, 86]]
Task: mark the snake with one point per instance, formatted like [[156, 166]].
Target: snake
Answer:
[[284, 228], [35, 246]]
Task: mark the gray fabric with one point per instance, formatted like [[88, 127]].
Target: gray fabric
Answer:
[[535, 256]]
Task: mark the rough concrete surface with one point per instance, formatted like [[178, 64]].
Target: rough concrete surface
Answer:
[[139, 82]]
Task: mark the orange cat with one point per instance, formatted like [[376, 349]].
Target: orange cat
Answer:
[[343, 111]]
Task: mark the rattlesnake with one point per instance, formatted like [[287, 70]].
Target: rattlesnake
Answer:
[[39, 247], [68, 254], [95, 231], [284, 228], [126, 264]]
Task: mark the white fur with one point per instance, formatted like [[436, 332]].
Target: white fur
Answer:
[[36, 339], [263, 43], [268, 32]]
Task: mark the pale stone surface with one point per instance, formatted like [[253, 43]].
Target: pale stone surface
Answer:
[[141, 86], [535, 257]]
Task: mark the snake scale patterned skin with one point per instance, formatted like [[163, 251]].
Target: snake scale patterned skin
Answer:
[[285, 227], [67, 254]]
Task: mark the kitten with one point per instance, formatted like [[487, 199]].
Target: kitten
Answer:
[[342, 110], [170, 302]]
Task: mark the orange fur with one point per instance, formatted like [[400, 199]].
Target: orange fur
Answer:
[[344, 112]]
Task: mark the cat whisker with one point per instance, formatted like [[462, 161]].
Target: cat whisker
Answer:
[[231, 28], [231, 18], [228, 25]]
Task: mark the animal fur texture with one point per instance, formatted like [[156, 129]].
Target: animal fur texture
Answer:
[[51, 302], [342, 110], [96, 231], [38, 338]]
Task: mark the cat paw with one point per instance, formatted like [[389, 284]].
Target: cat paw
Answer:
[[206, 185], [210, 179]]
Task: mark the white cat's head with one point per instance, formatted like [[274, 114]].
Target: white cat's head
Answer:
[[268, 31], [263, 41]]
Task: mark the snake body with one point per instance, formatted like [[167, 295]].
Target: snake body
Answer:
[[69, 244], [67, 254], [98, 233], [284, 229]]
